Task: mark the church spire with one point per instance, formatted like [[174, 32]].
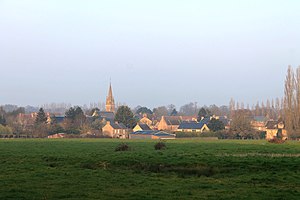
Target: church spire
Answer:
[[110, 102]]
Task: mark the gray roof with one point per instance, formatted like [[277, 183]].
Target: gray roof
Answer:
[[109, 116], [118, 125], [191, 125], [144, 127], [173, 120], [271, 124]]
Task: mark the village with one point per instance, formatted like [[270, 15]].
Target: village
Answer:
[[148, 126]]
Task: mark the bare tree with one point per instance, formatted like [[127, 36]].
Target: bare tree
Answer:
[[231, 107], [289, 100], [297, 99]]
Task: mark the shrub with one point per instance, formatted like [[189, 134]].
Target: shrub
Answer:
[[277, 141], [122, 147], [160, 145], [5, 130]]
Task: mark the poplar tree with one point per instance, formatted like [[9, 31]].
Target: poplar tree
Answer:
[[292, 102], [288, 100]]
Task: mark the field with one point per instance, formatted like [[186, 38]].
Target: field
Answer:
[[187, 169]]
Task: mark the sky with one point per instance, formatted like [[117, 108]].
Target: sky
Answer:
[[155, 52]]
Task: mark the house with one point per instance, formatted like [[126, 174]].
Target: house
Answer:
[[193, 127], [259, 123], [115, 130], [275, 129], [146, 120], [141, 127], [169, 123], [151, 134]]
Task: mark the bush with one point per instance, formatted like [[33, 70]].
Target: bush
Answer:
[[122, 147], [5, 130], [160, 145], [277, 141]]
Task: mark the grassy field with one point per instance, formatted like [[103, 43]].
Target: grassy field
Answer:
[[187, 169]]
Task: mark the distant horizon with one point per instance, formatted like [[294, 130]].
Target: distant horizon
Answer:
[[155, 52]]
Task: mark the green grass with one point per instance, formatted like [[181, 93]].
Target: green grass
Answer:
[[187, 169]]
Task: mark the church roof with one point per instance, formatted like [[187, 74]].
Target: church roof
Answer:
[[110, 102]]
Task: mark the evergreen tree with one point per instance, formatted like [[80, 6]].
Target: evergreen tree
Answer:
[[144, 110], [215, 125], [124, 115], [70, 114], [2, 120], [174, 112], [41, 117], [202, 113]]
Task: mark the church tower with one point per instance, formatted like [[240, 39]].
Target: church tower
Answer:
[[110, 102]]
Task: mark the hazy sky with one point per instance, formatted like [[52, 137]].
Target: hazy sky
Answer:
[[156, 52]]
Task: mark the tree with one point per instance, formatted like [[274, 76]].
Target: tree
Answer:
[[289, 100], [240, 125], [124, 115], [174, 112], [5, 130], [215, 110], [292, 102], [202, 113], [231, 107], [79, 117], [170, 108], [70, 114], [160, 111], [297, 100], [189, 109], [144, 110], [215, 125], [41, 117], [2, 120], [74, 120]]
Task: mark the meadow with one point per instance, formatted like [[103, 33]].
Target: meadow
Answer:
[[186, 169]]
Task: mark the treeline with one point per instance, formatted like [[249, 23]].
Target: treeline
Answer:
[[18, 124], [75, 122], [292, 102], [271, 109]]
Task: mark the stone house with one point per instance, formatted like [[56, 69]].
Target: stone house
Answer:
[[275, 129], [169, 123], [146, 120], [141, 127], [115, 130]]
